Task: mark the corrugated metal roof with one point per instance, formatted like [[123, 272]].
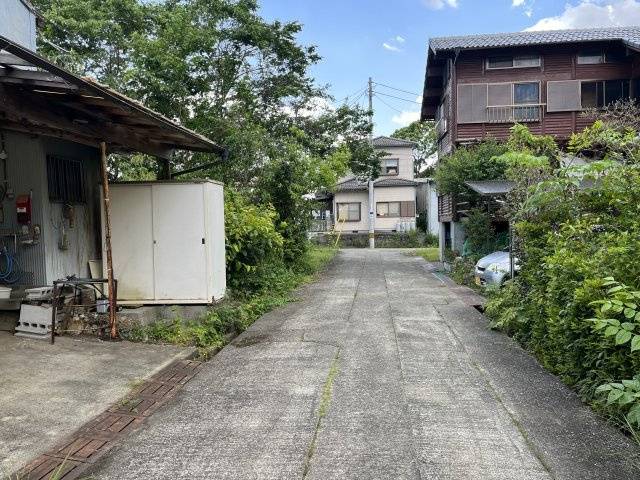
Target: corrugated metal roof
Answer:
[[98, 99], [353, 184], [491, 187], [630, 36], [383, 141]]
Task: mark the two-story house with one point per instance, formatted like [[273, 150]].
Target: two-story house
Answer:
[[394, 193], [476, 87]]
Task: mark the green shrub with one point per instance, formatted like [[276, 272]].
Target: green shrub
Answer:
[[573, 230], [253, 244]]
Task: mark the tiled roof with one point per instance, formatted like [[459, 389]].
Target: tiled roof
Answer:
[[353, 184], [392, 142], [630, 36]]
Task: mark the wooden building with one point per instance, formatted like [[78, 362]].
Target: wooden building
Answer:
[[477, 87]]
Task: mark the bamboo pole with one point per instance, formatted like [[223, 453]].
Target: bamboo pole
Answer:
[[113, 328]]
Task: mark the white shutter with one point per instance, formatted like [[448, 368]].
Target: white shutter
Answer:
[[563, 96]]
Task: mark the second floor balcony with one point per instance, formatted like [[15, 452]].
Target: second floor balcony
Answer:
[[515, 113]]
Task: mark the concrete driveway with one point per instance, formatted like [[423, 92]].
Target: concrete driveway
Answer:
[[379, 372], [48, 391]]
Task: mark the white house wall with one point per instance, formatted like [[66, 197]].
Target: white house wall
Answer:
[[405, 161], [382, 194]]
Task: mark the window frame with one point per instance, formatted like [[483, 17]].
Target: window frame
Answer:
[[605, 56], [604, 91], [386, 168], [513, 62], [513, 93], [59, 183], [388, 215], [338, 204]]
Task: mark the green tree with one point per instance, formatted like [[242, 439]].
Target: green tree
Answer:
[[424, 134]]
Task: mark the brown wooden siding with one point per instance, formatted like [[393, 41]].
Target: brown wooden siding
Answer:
[[558, 63]]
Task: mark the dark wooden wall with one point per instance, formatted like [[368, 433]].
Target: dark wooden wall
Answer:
[[558, 63]]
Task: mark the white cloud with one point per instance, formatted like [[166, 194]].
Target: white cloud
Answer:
[[312, 109], [400, 39], [526, 5], [391, 48], [593, 13], [440, 4], [405, 118]]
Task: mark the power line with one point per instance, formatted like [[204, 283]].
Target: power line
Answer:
[[355, 102], [398, 98], [351, 95], [397, 89], [388, 105]]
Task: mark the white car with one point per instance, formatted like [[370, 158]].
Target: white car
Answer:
[[494, 269]]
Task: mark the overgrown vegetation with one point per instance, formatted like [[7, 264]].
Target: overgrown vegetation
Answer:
[[431, 254], [219, 68], [574, 302]]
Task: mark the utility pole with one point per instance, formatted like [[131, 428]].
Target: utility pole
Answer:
[[372, 218]]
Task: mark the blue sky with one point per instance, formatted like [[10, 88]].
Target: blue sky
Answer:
[[387, 39]]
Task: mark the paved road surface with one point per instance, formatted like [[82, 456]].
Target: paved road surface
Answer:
[[379, 372]]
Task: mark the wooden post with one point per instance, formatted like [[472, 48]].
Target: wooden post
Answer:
[[113, 328]]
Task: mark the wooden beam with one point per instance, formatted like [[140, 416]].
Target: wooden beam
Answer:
[[10, 59], [38, 114], [113, 305]]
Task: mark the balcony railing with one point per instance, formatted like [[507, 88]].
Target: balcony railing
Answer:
[[514, 113]]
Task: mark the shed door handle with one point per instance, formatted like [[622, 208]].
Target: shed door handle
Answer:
[[203, 241]]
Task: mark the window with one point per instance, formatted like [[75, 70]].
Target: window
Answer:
[[349, 212], [391, 166], [65, 179], [600, 93], [526, 93], [596, 56], [518, 61], [396, 209], [590, 57], [388, 209]]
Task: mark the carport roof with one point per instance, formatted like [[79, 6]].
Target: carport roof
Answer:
[[491, 187], [37, 96]]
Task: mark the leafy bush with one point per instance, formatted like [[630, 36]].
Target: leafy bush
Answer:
[[478, 162], [253, 244], [575, 228], [481, 235]]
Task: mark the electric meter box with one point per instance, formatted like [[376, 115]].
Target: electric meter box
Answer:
[[168, 242]]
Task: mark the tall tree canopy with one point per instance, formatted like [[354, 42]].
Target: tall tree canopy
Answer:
[[219, 68]]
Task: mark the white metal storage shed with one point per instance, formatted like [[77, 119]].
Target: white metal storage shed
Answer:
[[168, 242]]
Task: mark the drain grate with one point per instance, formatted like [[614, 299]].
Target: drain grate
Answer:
[[71, 458]]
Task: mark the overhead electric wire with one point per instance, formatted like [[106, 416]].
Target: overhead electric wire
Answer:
[[397, 89], [355, 102], [398, 98], [390, 106], [346, 99]]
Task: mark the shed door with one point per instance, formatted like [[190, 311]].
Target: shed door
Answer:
[[178, 234], [132, 241]]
